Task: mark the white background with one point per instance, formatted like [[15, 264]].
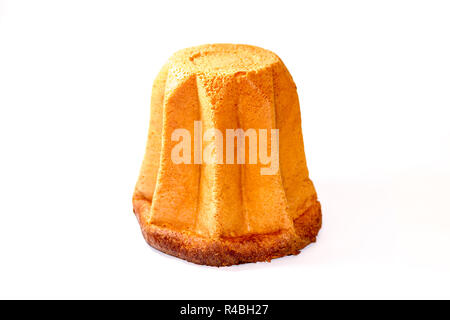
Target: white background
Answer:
[[75, 85]]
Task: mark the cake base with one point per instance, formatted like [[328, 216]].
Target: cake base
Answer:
[[236, 250]]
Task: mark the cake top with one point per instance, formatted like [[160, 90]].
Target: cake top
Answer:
[[224, 58]]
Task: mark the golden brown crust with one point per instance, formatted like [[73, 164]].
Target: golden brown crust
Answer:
[[231, 251]]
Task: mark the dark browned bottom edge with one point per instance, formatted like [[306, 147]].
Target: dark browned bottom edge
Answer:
[[238, 250]]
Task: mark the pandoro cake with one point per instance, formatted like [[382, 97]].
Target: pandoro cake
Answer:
[[224, 179]]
